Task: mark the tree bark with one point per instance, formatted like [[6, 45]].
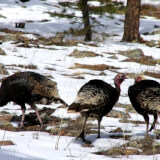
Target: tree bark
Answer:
[[131, 24], [85, 12]]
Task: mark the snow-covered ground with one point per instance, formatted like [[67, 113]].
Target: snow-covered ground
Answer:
[[40, 145]]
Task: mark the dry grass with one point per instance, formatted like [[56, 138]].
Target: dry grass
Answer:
[[79, 75], [118, 151], [81, 54], [6, 143], [5, 117], [99, 67], [152, 74], [144, 146], [147, 60], [11, 31], [150, 10], [127, 107], [30, 66], [131, 121], [71, 127], [5, 125], [122, 136]]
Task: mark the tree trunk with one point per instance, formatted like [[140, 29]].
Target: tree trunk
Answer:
[[85, 12], [131, 24]]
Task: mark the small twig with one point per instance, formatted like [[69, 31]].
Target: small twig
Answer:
[[3, 138], [68, 144], [59, 135]]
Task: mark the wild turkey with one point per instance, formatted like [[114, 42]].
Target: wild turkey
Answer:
[[145, 98], [28, 87], [96, 98]]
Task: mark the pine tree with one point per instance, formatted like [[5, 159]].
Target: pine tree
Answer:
[[85, 12], [131, 24]]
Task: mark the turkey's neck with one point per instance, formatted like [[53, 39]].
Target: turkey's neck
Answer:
[[117, 85]]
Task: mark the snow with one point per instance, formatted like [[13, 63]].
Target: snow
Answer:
[[37, 145]]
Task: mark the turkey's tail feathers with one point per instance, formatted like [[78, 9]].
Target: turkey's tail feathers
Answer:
[[77, 107], [58, 100], [73, 107]]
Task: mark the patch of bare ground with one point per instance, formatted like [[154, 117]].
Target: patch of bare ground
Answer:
[[99, 67], [6, 143], [122, 136], [69, 127], [5, 117], [3, 69], [145, 146], [5, 30], [118, 151], [13, 35], [21, 40], [29, 66], [119, 133], [31, 121], [137, 55], [81, 54], [5, 125], [150, 10], [79, 75], [2, 52], [118, 114], [50, 68], [62, 127], [152, 74], [119, 130], [147, 60], [87, 144], [131, 121], [131, 75], [129, 108], [146, 73]]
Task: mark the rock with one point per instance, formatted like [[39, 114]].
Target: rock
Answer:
[[118, 114], [135, 53], [81, 54]]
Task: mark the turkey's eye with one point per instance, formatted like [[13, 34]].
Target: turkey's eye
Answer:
[[122, 76]]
